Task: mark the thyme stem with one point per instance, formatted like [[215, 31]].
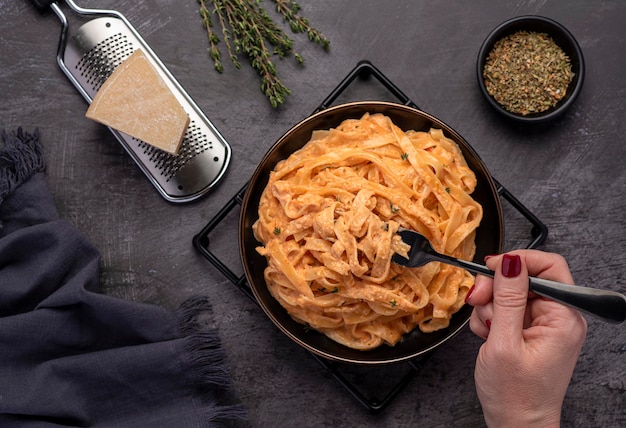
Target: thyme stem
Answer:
[[248, 30]]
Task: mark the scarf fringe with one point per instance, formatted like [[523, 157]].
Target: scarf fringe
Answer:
[[20, 158], [209, 360]]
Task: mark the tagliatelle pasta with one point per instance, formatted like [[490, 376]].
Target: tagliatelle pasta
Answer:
[[328, 219]]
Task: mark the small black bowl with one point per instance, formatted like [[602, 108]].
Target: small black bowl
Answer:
[[561, 36]]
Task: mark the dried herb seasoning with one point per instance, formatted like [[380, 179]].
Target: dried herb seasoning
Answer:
[[527, 72]]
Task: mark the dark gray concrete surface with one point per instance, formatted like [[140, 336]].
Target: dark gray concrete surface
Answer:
[[570, 173]]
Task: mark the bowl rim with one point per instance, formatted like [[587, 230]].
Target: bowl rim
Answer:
[[555, 30]]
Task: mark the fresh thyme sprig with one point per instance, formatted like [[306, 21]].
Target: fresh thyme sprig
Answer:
[[248, 29], [289, 10]]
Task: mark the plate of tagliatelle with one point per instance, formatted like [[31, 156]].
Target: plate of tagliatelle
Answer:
[[318, 222]]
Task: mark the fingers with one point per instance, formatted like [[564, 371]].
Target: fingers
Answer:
[[539, 264], [480, 296], [509, 297], [480, 321], [482, 291], [545, 265]]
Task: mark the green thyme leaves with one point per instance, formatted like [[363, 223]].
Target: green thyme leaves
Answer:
[[248, 30]]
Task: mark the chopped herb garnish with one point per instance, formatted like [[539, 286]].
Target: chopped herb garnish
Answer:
[[404, 156], [277, 231], [393, 208], [393, 303]]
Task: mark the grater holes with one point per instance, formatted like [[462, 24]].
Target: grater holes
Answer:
[[97, 65], [195, 142]]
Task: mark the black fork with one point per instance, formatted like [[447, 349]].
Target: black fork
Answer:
[[605, 304]]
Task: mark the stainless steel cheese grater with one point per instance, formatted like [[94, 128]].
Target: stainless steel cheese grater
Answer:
[[89, 55]]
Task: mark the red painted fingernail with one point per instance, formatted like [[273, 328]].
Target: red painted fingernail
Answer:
[[469, 294], [511, 265], [487, 257], [488, 323]]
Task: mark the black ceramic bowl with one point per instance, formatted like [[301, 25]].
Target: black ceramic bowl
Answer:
[[562, 37]]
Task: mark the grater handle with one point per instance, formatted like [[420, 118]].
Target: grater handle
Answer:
[[42, 4]]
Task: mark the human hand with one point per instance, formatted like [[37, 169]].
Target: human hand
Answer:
[[532, 343]]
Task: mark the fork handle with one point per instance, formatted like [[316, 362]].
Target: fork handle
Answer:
[[605, 304]]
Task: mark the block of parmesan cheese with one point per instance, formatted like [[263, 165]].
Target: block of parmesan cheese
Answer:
[[135, 100]]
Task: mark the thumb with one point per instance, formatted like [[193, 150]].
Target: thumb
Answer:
[[510, 297]]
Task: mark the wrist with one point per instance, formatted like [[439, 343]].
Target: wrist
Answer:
[[544, 419]]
